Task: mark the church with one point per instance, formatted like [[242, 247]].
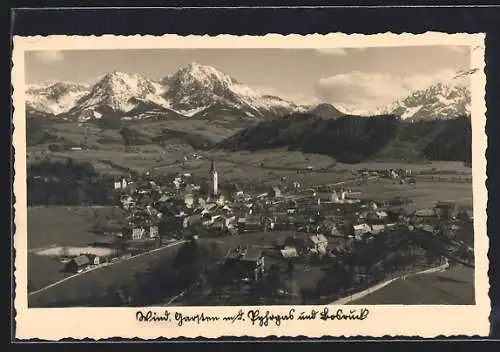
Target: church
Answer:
[[214, 189]]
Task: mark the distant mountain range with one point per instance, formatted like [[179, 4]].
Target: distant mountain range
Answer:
[[442, 100], [202, 92], [194, 91]]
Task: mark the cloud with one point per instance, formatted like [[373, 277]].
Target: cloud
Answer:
[[49, 57], [362, 90]]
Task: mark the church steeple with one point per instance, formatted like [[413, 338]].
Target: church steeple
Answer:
[[212, 167], [215, 179]]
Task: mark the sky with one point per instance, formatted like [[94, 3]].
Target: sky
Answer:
[[355, 78]]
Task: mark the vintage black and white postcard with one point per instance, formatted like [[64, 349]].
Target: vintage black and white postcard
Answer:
[[319, 185]]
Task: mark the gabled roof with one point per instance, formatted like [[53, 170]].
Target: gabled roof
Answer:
[[318, 238], [81, 260]]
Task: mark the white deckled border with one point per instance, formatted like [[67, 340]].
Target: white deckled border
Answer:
[[101, 323]]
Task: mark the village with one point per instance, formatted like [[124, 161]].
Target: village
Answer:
[[326, 226]]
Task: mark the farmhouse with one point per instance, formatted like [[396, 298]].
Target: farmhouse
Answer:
[[78, 263], [246, 262]]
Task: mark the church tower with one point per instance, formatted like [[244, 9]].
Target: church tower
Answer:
[[215, 180]]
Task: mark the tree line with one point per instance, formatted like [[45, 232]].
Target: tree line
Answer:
[[68, 182]]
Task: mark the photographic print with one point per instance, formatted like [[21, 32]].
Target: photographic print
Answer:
[[250, 184]]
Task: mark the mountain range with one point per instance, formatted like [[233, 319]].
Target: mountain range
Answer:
[[202, 92]]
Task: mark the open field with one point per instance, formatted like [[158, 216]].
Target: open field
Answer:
[[49, 229], [454, 286], [425, 194], [62, 225], [43, 271], [74, 251], [95, 283], [440, 166]]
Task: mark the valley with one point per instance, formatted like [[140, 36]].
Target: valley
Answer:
[[144, 150]]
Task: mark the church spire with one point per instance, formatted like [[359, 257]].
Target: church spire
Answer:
[[212, 167]]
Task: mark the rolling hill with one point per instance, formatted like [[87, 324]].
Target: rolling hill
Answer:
[[353, 139]]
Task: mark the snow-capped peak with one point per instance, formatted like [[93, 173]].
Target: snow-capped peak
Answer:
[[54, 97], [120, 91], [441, 100], [196, 87]]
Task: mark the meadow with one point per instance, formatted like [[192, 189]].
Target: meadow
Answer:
[[89, 286], [51, 227], [424, 195], [454, 286]]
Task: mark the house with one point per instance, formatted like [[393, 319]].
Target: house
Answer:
[[127, 202], [220, 200], [94, 259], [189, 200], [289, 252], [318, 244], [377, 215], [297, 244], [250, 223], [208, 207], [334, 197], [254, 258], [191, 220], [359, 229], [275, 192], [425, 213], [138, 233], [153, 231], [376, 229], [245, 262], [279, 223], [78, 263]]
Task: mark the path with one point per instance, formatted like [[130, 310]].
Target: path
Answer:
[[107, 265], [383, 284]]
